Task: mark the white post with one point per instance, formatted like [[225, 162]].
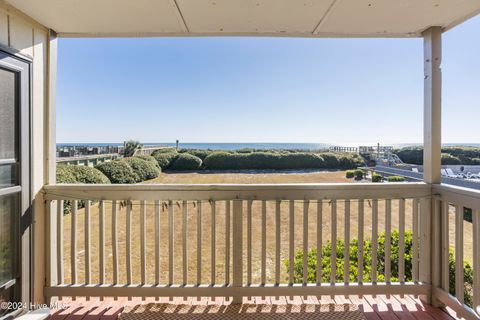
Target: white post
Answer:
[[50, 237], [432, 131], [432, 110], [237, 252]]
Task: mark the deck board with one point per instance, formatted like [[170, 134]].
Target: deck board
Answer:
[[373, 307]]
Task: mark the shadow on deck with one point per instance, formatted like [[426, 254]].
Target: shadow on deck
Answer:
[[372, 307]]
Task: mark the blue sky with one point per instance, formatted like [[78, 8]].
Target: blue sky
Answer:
[[344, 91]]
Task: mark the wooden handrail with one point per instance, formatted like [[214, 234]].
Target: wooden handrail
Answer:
[[270, 210]]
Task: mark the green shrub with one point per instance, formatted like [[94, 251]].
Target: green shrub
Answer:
[[349, 174], [85, 174], [150, 159], [376, 177], [186, 161], [331, 160], [448, 159], [412, 155], [164, 150], [65, 174], [279, 160], [359, 174], [367, 263], [143, 169], [165, 160], [396, 179], [201, 153], [78, 174], [450, 155], [118, 171]]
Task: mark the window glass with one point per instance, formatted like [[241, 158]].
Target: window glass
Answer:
[[8, 210], [8, 175], [7, 115]]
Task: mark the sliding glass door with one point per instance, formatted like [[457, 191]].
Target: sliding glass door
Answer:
[[14, 182]]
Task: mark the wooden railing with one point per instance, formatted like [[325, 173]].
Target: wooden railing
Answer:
[[456, 212], [240, 240]]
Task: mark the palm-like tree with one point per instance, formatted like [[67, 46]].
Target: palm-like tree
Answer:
[[130, 147]]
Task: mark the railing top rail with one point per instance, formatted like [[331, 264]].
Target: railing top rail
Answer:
[[466, 197], [308, 191], [458, 190]]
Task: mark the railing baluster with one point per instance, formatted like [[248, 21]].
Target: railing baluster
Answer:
[[459, 278], [237, 247], [249, 242], [199, 242], [445, 245], [415, 244], [213, 236], [476, 259], [184, 242], [60, 269], [129, 241], [143, 242], [401, 241], [101, 240], [87, 243], [388, 239], [227, 242], [319, 241], [436, 242], [374, 240], [73, 247], [264, 242], [114, 242], [305, 241], [170, 242], [360, 239], [277, 242], [425, 243], [291, 249], [157, 242], [346, 250], [333, 255]]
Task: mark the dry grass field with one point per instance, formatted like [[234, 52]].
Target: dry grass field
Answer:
[[220, 214], [263, 176]]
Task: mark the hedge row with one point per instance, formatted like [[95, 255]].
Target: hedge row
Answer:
[[80, 174], [279, 161], [450, 155], [130, 170], [367, 263]]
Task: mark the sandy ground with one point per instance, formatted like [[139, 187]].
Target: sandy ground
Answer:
[[206, 226], [264, 176]]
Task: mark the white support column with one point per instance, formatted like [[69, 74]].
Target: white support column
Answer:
[[432, 131], [432, 105], [50, 237], [50, 126]]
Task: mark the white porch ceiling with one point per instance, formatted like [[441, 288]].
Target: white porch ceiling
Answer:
[[304, 18]]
